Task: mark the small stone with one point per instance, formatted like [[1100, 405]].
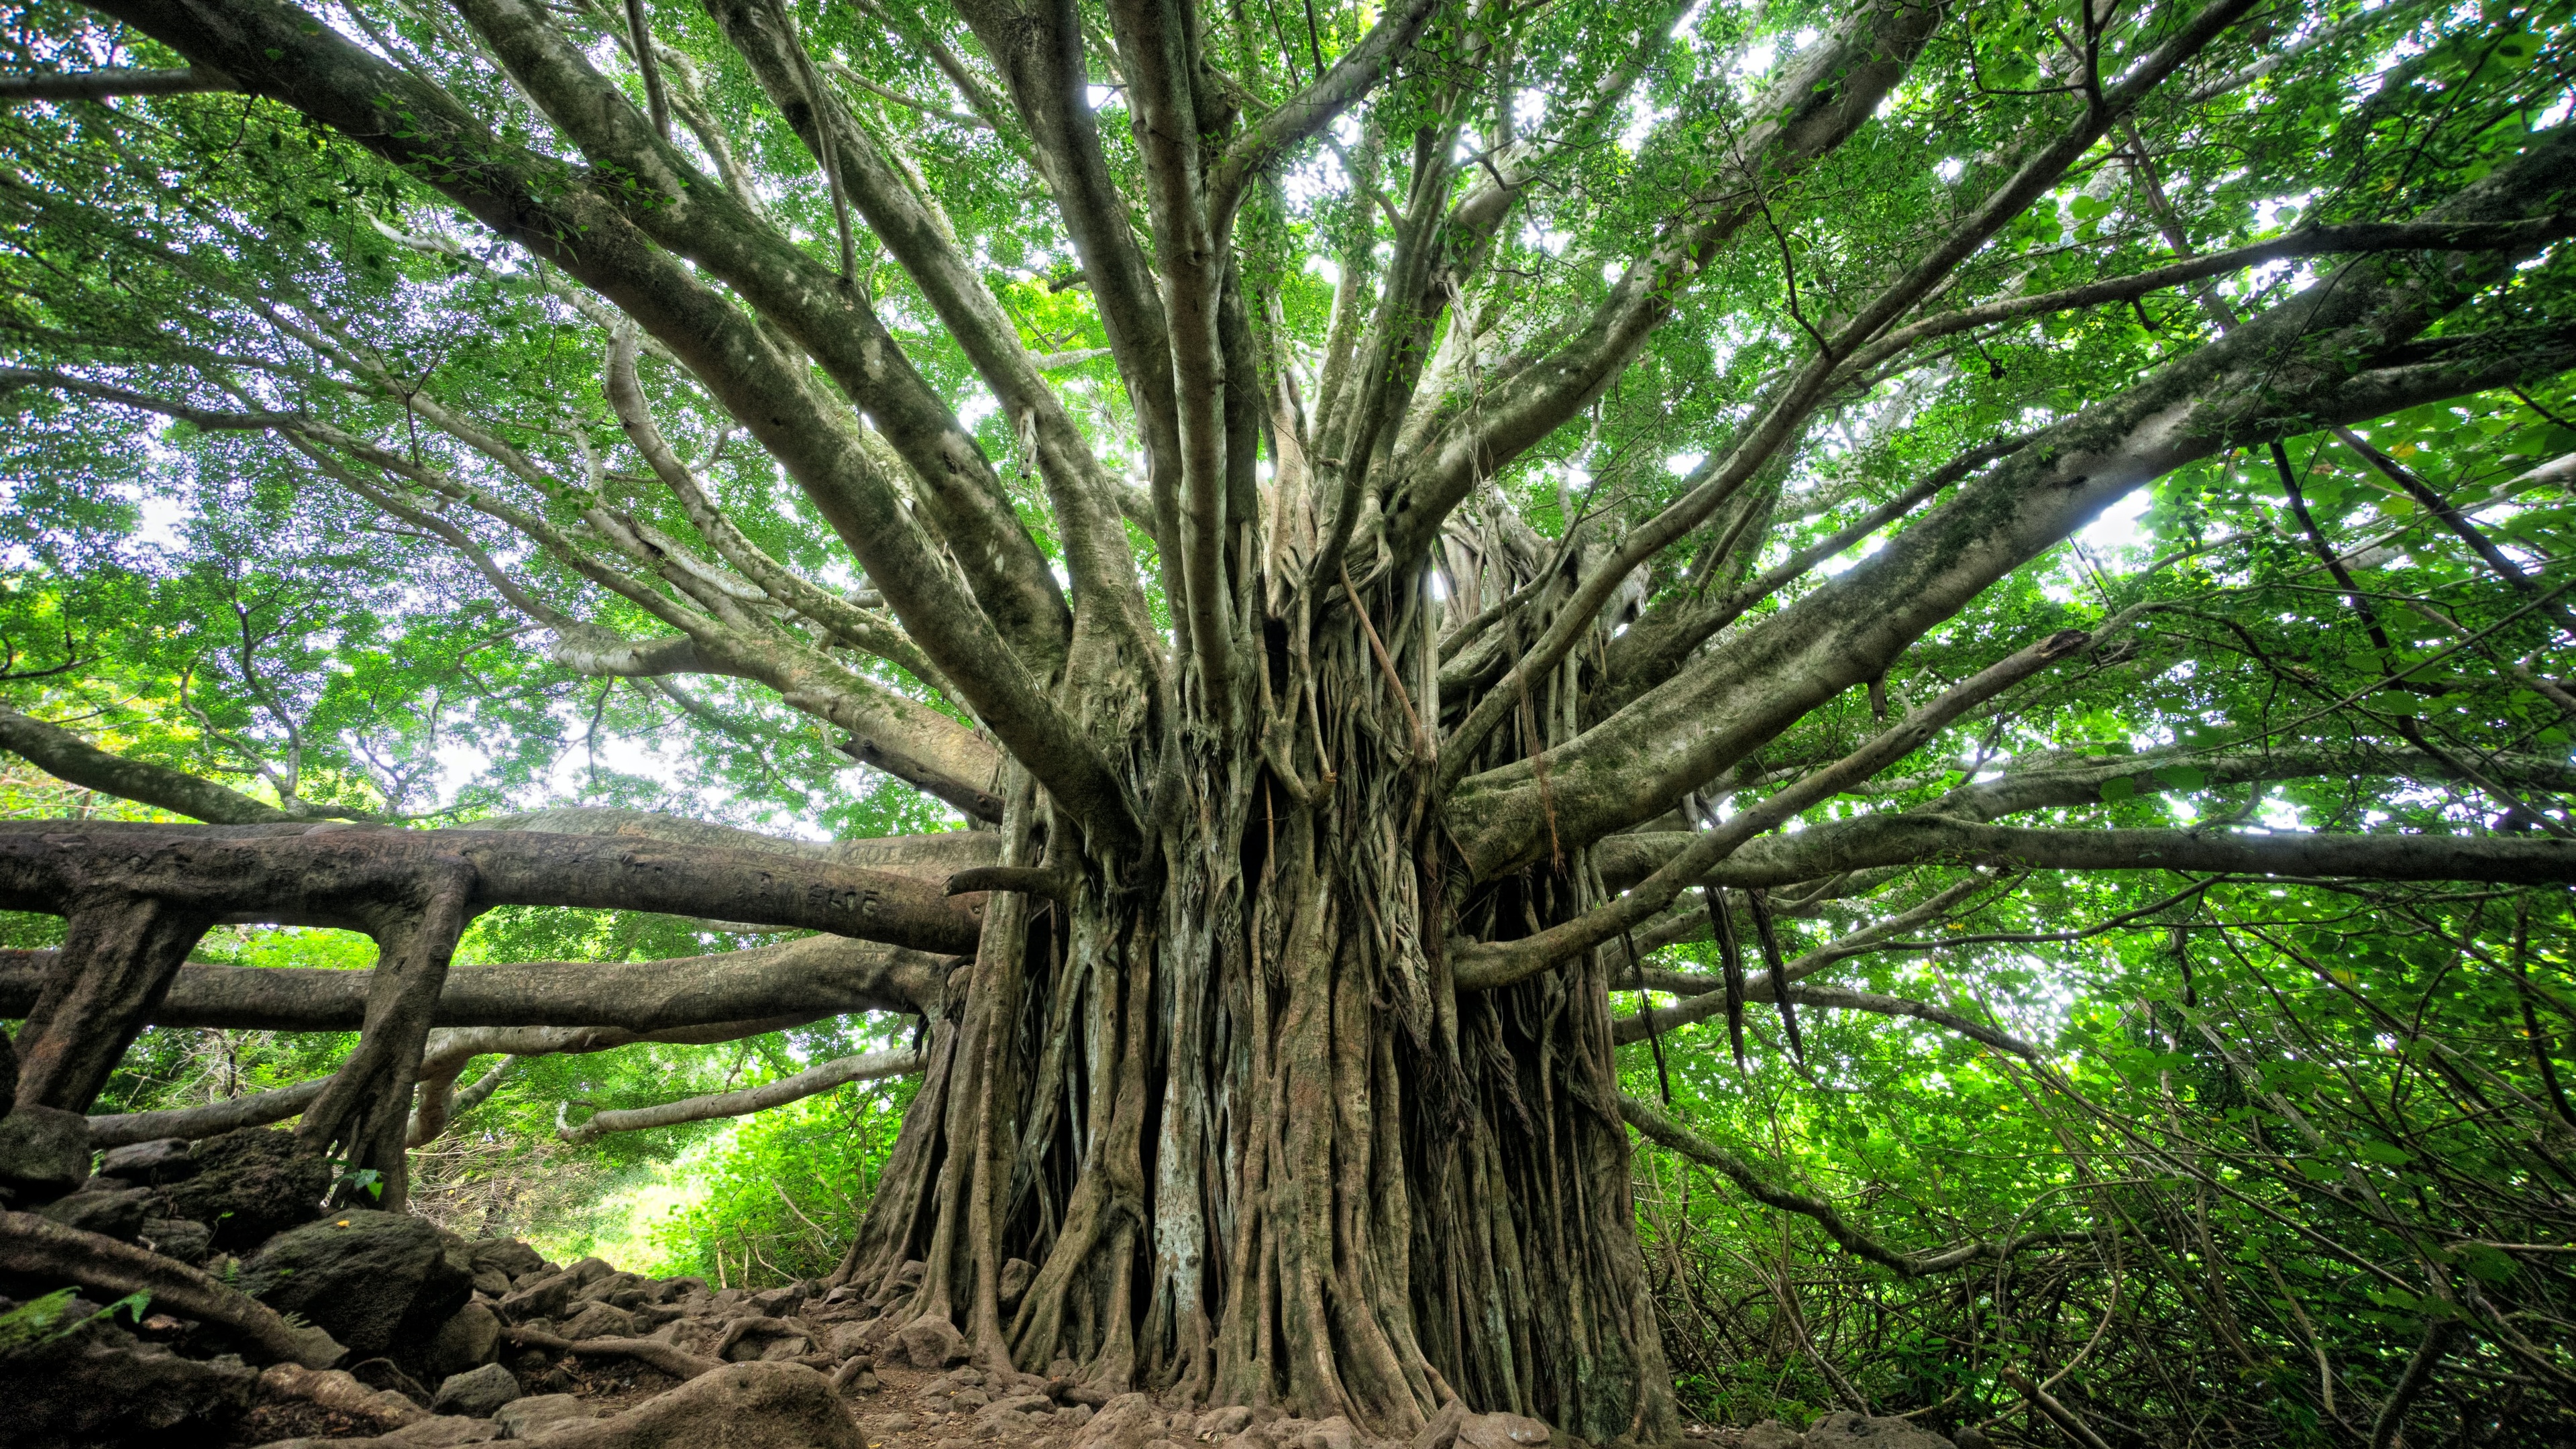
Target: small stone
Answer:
[[112, 1213], [531, 1417], [177, 1239], [895, 1424], [44, 1153], [794, 1345], [966, 1378], [1073, 1416], [476, 1393], [932, 1343], [1972, 1437], [997, 1422], [966, 1401], [1224, 1422], [150, 1164], [956, 1444], [1337, 1433], [1769, 1434]]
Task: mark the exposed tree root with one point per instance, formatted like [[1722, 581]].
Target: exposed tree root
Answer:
[[40, 1246]]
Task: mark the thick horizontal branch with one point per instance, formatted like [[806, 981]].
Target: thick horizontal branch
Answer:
[[69, 758], [100, 85], [344, 875], [812, 1081], [1661, 1126], [815, 977], [1886, 840]]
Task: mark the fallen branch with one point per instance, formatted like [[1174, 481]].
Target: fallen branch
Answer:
[[339, 1391], [40, 1247]]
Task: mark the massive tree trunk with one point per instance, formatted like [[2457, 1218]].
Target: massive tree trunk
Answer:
[[1222, 1094]]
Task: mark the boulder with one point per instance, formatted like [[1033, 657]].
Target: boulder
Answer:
[[100, 1388], [380, 1283], [1769, 1434], [111, 1213], [590, 1270], [476, 1393], [1847, 1430], [150, 1164], [1125, 1422], [177, 1239], [545, 1297], [540, 1416], [472, 1337], [1015, 1281], [1500, 1431], [742, 1406], [44, 1153], [932, 1343], [443, 1432], [492, 1283], [507, 1256], [672, 1290], [599, 1320], [252, 1185]]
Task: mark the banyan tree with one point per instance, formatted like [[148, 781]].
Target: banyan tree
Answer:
[[1368, 520]]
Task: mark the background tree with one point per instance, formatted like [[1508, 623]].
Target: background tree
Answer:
[[1356, 512]]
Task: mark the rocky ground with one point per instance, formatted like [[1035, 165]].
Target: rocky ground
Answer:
[[450, 1341]]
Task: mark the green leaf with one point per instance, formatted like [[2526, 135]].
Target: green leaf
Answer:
[[2115, 791]]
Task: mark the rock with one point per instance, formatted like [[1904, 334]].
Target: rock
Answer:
[[777, 1302], [380, 1283], [1337, 1433], [1769, 1434], [252, 1185], [1499, 1431], [470, 1338], [1125, 1422], [1847, 1430], [590, 1270], [741, 1406], [999, 1421], [932, 1343], [492, 1283], [150, 1164], [1224, 1422], [543, 1298], [506, 1256], [672, 1290], [540, 1416], [476, 1393], [849, 1340], [780, 1349], [1015, 1281], [177, 1239], [966, 1401], [441, 1433], [385, 1376], [894, 1424], [112, 1213], [44, 1153], [599, 1320], [1073, 1416], [99, 1388], [1972, 1437]]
